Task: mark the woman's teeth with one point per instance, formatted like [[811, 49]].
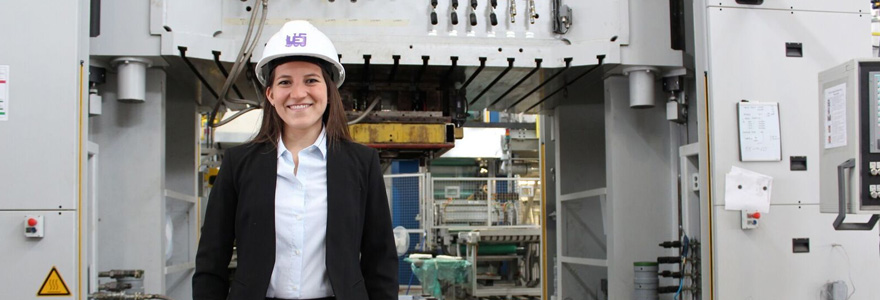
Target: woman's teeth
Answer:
[[299, 106]]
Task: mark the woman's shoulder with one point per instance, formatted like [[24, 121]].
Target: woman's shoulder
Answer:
[[248, 149], [359, 151]]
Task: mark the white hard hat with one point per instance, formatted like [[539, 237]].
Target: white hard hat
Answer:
[[301, 38]]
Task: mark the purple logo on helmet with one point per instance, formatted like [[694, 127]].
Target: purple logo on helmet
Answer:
[[296, 40]]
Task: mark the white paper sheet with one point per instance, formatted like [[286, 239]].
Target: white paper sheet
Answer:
[[759, 135], [747, 190], [835, 116]]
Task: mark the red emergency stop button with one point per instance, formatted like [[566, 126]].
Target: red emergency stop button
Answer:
[[32, 222], [756, 215]]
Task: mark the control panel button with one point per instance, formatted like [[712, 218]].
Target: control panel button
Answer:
[[33, 226]]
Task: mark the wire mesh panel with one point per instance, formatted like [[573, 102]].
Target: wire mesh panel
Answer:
[[405, 193], [486, 201]]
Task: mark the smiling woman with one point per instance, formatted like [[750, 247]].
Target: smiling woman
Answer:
[[305, 207], [301, 80]]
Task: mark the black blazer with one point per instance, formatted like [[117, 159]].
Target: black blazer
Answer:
[[361, 257]]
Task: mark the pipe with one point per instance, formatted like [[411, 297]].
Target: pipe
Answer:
[[201, 78], [424, 68], [474, 75], [236, 115], [123, 296], [367, 58], [599, 57], [225, 74], [394, 67], [567, 66], [491, 84], [454, 60], [532, 72]]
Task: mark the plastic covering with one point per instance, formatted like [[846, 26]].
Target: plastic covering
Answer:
[[436, 273]]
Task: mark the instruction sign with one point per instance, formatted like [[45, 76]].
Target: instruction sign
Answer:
[[759, 136], [4, 92], [54, 285], [835, 116]]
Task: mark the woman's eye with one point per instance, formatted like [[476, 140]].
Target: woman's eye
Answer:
[[312, 80], [284, 82]]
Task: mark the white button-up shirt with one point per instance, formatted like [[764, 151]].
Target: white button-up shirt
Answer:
[[301, 224]]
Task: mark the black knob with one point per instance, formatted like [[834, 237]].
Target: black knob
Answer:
[[473, 19], [670, 274], [493, 19], [434, 18], [669, 260], [454, 18], [494, 3], [474, 4], [454, 3], [434, 3]]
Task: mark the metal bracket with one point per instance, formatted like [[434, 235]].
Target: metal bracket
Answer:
[[842, 184], [561, 17]]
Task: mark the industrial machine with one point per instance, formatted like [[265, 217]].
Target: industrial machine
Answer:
[[493, 223], [114, 116], [849, 102]]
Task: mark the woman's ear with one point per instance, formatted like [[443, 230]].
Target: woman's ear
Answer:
[[269, 95]]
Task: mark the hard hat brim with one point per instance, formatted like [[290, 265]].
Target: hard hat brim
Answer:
[[337, 74]]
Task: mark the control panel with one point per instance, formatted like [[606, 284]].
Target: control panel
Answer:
[[750, 219], [849, 106], [33, 226]]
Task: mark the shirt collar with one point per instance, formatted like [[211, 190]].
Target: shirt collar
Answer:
[[320, 143]]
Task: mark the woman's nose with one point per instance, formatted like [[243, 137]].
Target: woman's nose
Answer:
[[298, 91]]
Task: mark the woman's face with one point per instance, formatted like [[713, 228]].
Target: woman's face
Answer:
[[299, 94]]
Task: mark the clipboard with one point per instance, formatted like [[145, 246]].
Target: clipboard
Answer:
[[759, 132]]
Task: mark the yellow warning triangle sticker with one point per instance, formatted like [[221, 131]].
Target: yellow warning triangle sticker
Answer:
[[54, 285]]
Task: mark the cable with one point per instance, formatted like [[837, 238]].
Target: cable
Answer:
[[680, 284]]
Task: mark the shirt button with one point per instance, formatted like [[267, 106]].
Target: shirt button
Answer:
[[295, 287], [299, 217], [296, 252]]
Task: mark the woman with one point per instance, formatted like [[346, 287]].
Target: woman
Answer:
[[305, 206]]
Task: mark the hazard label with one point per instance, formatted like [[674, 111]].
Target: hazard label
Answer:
[[54, 285]]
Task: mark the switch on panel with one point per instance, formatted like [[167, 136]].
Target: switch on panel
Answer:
[[750, 219], [33, 226]]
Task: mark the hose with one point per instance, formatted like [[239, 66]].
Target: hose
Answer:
[[247, 47], [236, 115], [366, 112]]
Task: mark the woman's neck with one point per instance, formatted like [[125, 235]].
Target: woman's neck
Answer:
[[298, 139]]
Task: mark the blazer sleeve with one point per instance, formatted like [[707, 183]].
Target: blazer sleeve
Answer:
[[378, 253], [211, 278]]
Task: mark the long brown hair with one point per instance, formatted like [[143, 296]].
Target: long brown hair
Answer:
[[334, 120]]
